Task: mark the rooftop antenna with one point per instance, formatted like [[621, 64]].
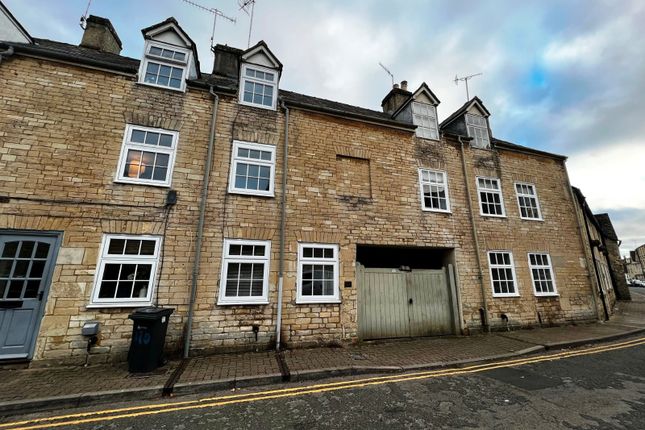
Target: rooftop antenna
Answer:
[[83, 22], [387, 71], [465, 80], [244, 5], [215, 12]]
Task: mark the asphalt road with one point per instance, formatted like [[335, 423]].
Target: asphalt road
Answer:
[[604, 390]]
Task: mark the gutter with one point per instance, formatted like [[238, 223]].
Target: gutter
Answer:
[[283, 224], [200, 226], [486, 323], [363, 118]]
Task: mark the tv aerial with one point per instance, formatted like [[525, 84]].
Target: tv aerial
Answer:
[[83, 22], [465, 80], [248, 6], [387, 71], [215, 12]]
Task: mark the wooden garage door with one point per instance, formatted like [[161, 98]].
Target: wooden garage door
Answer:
[[392, 303]]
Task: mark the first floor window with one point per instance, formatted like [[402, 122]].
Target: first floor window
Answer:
[[147, 156], [245, 272], [542, 274], [527, 201], [126, 271], [434, 190], [502, 273], [491, 202], [317, 273], [252, 169]]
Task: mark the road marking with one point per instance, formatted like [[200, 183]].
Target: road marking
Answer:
[[137, 411]]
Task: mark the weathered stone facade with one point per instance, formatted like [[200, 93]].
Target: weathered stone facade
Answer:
[[349, 182]]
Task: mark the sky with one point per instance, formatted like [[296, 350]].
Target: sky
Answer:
[[563, 76]]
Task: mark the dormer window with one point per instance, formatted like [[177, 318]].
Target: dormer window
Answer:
[[165, 67], [258, 86], [478, 130], [424, 116]]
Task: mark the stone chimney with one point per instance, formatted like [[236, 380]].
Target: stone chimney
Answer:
[[100, 35], [227, 61], [396, 97]]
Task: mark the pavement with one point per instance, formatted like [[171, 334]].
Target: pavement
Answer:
[[39, 389]]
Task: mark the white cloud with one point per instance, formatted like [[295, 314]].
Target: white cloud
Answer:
[[612, 176]]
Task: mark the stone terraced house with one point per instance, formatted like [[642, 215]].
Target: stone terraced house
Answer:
[[261, 215]]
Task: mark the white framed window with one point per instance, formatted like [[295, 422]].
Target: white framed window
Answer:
[[542, 274], [252, 169], [491, 201], [317, 273], [147, 156], [245, 272], [164, 66], [502, 274], [258, 86], [478, 130], [434, 190], [424, 116], [527, 201], [126, 271]]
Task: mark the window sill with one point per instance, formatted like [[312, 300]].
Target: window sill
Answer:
[[492, 216], [242, 303], [330, 301], [269, 194], [532, 219], [552, 295], [505, 296], [163, 87], [147, 184], [439, 211], [118, 305]]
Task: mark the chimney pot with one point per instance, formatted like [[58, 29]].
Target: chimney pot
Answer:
[[100, 35], [404, 85], [395, 86]]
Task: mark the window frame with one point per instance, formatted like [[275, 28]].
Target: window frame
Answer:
[[147, 58], [501, 196], [328, 299], [535, 196], [554, 293], [503, 266], [484, 128], [244, 78], [104, 259], [222, 299], [235, 159], [127, 144], [445, 184], [419, 127]]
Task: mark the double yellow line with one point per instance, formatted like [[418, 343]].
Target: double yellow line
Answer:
[[210, 402]]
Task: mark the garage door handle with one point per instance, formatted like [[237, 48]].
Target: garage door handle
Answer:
[[410, 301]]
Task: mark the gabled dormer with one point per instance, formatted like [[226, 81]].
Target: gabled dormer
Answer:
[[420, 109], [169, 56], [260, 72], [470, 120]]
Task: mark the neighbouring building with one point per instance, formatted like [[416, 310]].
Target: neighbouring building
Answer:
[[635, 264], [256, 212]]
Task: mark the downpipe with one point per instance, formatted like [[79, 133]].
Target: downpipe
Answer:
[[200, 225], [484, 310], [283, 224]]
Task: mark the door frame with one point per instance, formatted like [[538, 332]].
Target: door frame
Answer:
[[58, 239]]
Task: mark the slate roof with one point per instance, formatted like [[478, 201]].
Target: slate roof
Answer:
[[462, 110], [515, 147], [606, 226]]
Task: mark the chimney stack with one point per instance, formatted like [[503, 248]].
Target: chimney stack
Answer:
[[396, 97], [100, 35]]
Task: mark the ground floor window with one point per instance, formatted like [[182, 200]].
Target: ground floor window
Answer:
[[317, 273], [126, 270], [245, 272], [502, 273], [542, 274]]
